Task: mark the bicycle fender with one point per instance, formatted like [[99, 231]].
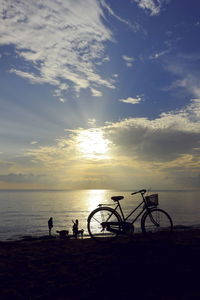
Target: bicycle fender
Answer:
[[104, 207]]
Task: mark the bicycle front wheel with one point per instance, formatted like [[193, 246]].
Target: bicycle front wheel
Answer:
[[157, 225], [101, 215]]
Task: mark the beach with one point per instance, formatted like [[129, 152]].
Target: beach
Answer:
[[132, 268]]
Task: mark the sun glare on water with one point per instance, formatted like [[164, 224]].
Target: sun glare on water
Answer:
[[92, 144]]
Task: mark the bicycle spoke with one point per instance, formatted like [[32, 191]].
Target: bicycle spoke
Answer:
[[157, 224], [97, 218]]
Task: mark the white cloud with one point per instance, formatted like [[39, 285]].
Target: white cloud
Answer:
[[33, 142], [189, 82], [131, 100], [183, 66], [63, 86], [107, 58], [33, 78], [61, 39], [129, 60], [96, 93], [153, 6], [134, 27], [158, 54], [92, 122]]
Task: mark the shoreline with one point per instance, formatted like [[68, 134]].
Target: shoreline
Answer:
[[176, 228]]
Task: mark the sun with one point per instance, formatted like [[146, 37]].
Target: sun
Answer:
[[92, 144]]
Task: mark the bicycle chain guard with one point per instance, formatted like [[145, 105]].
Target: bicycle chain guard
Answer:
[[124, 227], [128, 228]]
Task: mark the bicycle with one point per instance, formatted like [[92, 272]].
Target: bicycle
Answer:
[[106, 223]]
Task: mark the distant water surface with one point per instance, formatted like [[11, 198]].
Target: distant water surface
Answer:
[[27, 212]]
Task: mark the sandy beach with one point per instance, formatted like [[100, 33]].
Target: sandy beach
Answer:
[[84, 269]]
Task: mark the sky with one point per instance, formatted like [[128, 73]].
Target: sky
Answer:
[[99, 94]]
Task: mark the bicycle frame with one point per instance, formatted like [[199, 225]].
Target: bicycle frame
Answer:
[[124, 219], [132, 212]]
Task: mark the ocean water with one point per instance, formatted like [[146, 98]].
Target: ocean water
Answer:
[[27, 212]]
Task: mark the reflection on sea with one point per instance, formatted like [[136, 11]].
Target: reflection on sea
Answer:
[[92, 198]]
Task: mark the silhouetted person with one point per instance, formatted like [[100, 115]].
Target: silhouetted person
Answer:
[[75, 228], [50, 225]]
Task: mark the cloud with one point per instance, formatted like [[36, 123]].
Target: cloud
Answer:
[[167, 138], [159, 54], [92, 122], [18, 178], [190, 181], [131, 100], [128, 60], [33, 142], [183, 66], [96, 93], [134, 27], [61, 40], [33, 78], [197, 24], [5, 165], [159, 151], [153, 6], [188, 81], [62, 100]]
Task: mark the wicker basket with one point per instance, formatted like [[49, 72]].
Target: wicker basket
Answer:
[[152, 200]]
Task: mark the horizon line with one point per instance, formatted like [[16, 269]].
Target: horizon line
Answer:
[[111, 189]]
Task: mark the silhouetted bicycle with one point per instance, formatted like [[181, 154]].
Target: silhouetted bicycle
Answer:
[[106, 223]]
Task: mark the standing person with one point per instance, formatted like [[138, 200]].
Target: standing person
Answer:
[[50, 225], [75, 228]]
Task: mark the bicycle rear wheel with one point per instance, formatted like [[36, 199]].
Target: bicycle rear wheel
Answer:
[[157, 225], [99, 232]]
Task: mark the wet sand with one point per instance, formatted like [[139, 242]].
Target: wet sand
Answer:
[[83, 269]]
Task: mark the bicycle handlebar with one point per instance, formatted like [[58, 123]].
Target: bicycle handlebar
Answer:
[[140, 191]]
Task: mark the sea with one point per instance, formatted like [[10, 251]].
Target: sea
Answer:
[[25, 213]]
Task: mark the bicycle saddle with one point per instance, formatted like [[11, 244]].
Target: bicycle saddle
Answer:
[[117, 198]]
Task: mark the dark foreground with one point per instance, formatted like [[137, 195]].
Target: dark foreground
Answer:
[[84, 269]]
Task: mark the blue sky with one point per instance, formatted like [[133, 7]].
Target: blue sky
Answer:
[[99, 94]]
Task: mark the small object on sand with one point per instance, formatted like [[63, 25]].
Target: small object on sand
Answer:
[[81, 232], [50, 225], [63, 234]]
